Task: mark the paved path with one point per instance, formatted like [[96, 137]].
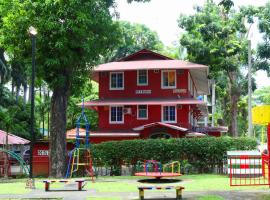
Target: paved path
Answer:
[[168, 195]]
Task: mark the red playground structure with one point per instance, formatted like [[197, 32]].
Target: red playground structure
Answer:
[[252, 169], [155, 169]]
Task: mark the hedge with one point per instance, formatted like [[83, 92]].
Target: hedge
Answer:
[[202, 154]]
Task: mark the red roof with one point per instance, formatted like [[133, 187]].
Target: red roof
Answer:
[[140, 128], [108, 102], [148, 64], [12, 139], [71, 134]]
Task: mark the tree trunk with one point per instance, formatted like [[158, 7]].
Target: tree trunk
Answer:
[[234, 111], [17, 93], [12, 87], [58, 147], [234, 92], [24, 93]]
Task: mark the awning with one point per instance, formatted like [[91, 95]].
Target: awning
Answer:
[[212, 129], [12, 139], [71, 134], [116, 102], [140, 128], [195, 134], [198, 72]]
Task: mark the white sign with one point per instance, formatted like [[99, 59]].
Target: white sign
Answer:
[[43, 153], [143, 91], [179, 91]]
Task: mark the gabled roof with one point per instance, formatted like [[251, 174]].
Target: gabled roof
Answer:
[[144, 54], [12, 139], [140, 128]]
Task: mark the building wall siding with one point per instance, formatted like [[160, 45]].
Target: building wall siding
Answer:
[[130, 86]]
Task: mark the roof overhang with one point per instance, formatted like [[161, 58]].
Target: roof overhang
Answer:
[[12, 139], [71, 134], [120, 102], [195, 134], [140, 128]]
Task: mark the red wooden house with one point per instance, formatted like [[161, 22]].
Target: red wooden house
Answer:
[[148, 95]]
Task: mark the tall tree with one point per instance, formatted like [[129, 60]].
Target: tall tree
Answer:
[[134, 37], [263, 50], [215, 37], [71, 37]]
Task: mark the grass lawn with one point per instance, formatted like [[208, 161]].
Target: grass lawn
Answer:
[[201, 182]]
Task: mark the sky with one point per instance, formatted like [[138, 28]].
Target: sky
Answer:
[[161, 16]]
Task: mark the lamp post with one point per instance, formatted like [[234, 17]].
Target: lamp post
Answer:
[[32, 32]]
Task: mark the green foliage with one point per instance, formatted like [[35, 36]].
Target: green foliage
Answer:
[[134, 37], [90, 92], [14, 117], [264, 48], [262, 96], [202, 153], [215, 36]]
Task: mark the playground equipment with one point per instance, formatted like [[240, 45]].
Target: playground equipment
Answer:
[[6, 153], [251, 170], [80, 159], [153, 168]]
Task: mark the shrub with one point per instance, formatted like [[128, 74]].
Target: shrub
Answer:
[[203, 154]]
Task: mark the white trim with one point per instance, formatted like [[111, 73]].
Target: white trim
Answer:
[[120, 88], [175, 121], [168, 87], [117, 122], [142, 84], [138, 118]]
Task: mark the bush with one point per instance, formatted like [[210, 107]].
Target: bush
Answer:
[[203, 154]]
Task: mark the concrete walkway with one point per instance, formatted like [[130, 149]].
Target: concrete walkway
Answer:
[[92, 194]]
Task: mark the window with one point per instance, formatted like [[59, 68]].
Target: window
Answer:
[[142, 112], [169, 114], [116, 115], [142, 77], [168, 79], [116, 81]]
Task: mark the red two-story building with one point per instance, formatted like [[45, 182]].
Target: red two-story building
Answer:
[[148, 95]]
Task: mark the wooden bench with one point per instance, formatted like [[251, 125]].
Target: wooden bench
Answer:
[[177, 188], [48, 182]]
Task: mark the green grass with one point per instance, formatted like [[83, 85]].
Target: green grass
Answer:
[[211, 182], [13, 188], [211, 197]]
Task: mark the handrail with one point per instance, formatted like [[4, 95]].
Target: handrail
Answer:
[[172, 164]]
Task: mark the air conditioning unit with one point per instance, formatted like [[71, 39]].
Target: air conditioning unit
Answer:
[[179, 106], [127, 110]]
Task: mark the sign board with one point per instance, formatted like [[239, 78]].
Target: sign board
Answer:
[[143, 91], [43, 153], [175, 91]]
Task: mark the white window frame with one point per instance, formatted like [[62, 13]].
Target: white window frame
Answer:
[[162, 117], [142, 84], [146, 113], [119, 88], [116, 122], [168, 87]]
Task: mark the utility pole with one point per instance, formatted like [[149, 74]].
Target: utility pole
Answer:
[[249, 91]]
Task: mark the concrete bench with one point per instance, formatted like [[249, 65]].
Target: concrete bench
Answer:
[[80, 183], [177, 188]]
